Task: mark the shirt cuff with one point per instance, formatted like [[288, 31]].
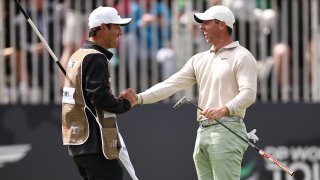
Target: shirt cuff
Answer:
[[139, 99], [231, 111]]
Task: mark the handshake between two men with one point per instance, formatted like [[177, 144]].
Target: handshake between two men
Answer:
[[130, 95]]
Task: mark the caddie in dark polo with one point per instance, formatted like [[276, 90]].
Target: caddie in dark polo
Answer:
[[89, 108]]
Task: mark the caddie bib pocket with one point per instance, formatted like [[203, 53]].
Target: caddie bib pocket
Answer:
[[110, 138], [110, 141]]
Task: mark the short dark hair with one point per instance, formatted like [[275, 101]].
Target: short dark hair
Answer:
[[229, 29], [93, 31]]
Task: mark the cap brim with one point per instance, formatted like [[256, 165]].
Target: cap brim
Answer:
[[124, 21], [200, 17]]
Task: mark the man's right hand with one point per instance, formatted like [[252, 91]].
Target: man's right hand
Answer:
[[129, 95]]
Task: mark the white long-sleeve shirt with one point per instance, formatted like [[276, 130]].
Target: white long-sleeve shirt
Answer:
[[227, 77]]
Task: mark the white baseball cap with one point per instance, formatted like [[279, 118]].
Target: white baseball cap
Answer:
[[106, 15], [221, 13]]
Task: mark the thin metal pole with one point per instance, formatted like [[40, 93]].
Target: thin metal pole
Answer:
[[40, 37]]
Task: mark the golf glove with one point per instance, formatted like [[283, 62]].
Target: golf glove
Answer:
[[251, 135]]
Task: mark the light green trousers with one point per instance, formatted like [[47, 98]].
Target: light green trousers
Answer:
[[218, 153]]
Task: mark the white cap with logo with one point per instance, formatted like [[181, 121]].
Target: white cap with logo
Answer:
[[106, 15], [221, 13]]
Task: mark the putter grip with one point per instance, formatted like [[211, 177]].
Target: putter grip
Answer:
[[276, 162], [21, 9]]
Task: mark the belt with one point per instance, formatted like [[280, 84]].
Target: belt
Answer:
[[207, 123]]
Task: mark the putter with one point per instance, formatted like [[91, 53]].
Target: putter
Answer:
[[35, 29], [261, 152], [181, 101]]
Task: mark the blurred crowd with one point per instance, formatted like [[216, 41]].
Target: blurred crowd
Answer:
[[282, 34]]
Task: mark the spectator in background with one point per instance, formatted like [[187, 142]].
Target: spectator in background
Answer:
[[74, 31], [281, 54], [35, 50], [166, 58], [312, 55], [280, 57], [151, 27], [156, 23], [129, 42], [198, 42]]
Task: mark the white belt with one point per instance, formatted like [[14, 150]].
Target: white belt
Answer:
[[207, 122]]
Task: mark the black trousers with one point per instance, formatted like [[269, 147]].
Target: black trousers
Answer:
[[97, 167]]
